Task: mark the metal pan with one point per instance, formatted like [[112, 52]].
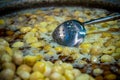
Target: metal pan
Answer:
[[9, 6]]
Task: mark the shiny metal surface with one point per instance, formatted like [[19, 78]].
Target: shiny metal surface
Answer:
[[9, 6], [72, 32]]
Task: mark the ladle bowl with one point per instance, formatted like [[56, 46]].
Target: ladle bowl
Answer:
[[72, 32]]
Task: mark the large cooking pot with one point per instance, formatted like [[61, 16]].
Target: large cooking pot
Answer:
[[11, 6], [8, 6]]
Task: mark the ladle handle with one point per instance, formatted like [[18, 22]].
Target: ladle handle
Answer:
[[103, 19]]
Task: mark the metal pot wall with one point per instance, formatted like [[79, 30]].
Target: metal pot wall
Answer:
[[9, 6]]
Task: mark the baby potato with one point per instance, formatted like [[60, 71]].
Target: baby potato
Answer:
[[39, 66], [109, 42], [48, 70], [97, 71], [59, 48], [106, 34], [34, 30], [66, 51], [116, 55], [76, 13], [36, 76], [109, 50], [36, 44], [94, 59], [67, 66], [9, 33], [7, 74], [25, 29], [23, 74], [84, 77], [30, 60], [76, 72], [92, 29], [33, 16], [43, 30], [9, 65], [6, 58], [58, 69], [18, 57], [31, 40], [56, 76], [17, 78], [99, 77], [80, 19], [51, 27], [51, 53], [29, 35], [107, 58], [43, 24], [3, 42], [49, 18], [96, 48], [18, 44], [2, 22], [69, 75], [24, 67], [9, 50], [47, 47], [117, 43], [117, 50], [85, 47], [111, 77], [104, 25]]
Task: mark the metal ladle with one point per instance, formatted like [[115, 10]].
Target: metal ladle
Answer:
[[72, 32]]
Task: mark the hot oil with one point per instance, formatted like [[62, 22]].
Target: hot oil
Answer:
[[40, 24]]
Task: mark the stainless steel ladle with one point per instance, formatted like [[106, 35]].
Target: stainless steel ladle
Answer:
[[72, 32]]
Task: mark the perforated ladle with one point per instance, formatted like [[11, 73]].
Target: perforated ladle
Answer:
[[72, 32]]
